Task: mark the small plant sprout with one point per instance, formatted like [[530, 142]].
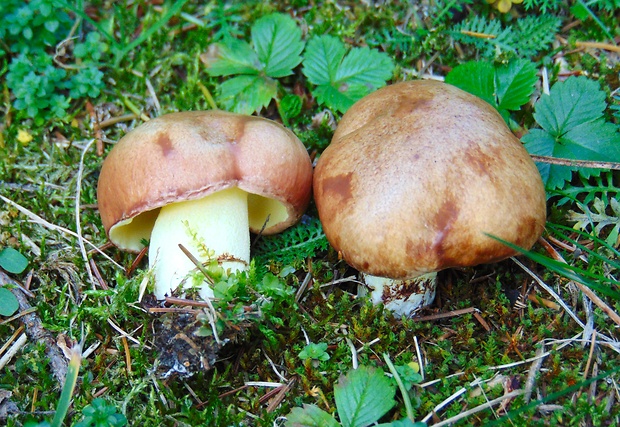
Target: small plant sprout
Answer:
[[316, 352], [202, 180], [416, 176]]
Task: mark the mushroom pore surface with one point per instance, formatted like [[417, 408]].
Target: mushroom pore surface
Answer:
[[417, 173]]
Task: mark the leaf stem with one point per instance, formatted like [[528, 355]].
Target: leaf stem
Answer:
[[401, 386]]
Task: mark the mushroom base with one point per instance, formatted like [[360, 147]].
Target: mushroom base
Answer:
[[403, 297], [214, 227]]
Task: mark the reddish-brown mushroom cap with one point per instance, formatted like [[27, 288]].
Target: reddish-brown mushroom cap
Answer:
[[189, 155], [417, 173]]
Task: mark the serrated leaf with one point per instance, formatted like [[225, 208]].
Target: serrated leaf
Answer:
[[343, 79], [574, 101], [339, 98], [514, 84], [525, 38], [322, 58], [365, 66], [475, 77], [231, 57], [277, 40], [573, 127], [246, 93], [8, 302], [12, 261], [505, 87], [298, 242], [363, 396], [310, 416]]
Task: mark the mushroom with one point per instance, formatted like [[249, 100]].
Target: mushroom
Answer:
[[417, 176], [201, 179]]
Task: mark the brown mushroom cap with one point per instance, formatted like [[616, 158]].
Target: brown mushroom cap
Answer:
[[417, 173], [189, 155]]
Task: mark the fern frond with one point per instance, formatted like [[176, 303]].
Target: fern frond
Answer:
[[297, 243], [535, 33], [597, 218], [600, 187], [542, 5], [528, 36]]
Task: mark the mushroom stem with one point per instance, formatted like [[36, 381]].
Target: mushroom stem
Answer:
[[403, 297], [215, 226]]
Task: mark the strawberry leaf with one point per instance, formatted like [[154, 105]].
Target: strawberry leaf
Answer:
[[342, 78], [505, 87], [514, 84], [573, 127], [363, 396], [274, 53], [231, 57], [246, 93], [475, 77], [277, 40]]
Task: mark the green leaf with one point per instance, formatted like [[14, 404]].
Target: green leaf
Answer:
[[363, 396], [475, 77], [339, 98], [12, 261], [408, 375], [506, 87], [245, 94], [8, 302], [317, 351], [322, 58], [343, 79], [310, 416], [277, 40], [232, 57], [573, 127], [514, 84]]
